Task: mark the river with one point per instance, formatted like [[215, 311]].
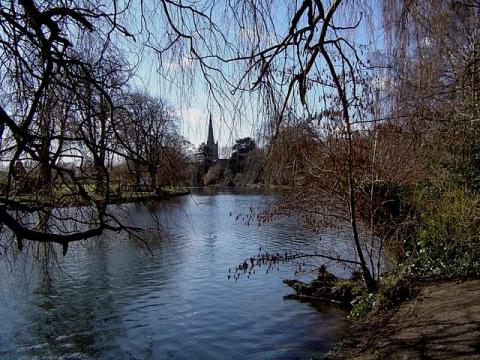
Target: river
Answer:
[[113, 299]]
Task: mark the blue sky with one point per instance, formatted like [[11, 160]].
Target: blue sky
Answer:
[[190, 97], [189, 94]]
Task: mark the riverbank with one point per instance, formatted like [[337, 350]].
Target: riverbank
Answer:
[[259, 187], [73, 200], [441, 322], [141, 197]]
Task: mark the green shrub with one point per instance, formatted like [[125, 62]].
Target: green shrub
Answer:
[[448, 238], [362, 306], [347, 290]]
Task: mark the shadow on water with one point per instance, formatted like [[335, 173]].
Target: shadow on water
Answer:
[[112, 300]]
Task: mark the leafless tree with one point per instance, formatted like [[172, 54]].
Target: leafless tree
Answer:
[[319, 64], [96, 111], [150, 137], [42, 67]]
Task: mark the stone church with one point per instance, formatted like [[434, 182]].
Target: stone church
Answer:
[[212, 146], [211, 168]]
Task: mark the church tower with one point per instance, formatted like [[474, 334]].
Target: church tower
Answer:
[[211, 144]]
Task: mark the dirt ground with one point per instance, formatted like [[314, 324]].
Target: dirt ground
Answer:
[[442, 322]]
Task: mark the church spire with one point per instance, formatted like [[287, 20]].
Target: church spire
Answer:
[[210, 140], [211, 145]]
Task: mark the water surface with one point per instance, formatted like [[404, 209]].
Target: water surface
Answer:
[[112, 299]]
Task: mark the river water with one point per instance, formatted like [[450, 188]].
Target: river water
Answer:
[[112, 299]]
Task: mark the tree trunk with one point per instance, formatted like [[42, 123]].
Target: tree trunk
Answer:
[[99, 180], [153, 178], [369, 281]]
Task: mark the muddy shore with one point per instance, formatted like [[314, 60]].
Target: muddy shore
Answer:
[[441, 322]]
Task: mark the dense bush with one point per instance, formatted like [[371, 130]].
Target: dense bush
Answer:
[[363, 306], [448, 239], [213, 175]]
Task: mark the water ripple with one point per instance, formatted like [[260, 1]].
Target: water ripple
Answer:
[[111, 300]]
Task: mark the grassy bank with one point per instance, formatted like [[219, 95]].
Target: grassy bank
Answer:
[[61, 198]]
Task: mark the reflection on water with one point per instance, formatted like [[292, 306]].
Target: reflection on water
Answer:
[[113, 300]]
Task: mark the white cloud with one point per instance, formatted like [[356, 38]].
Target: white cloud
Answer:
[[182, 63], [194, 125]]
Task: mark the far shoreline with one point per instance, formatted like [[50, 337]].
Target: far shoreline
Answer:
[[78, 201]]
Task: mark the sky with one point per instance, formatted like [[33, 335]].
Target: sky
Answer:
[[189, 95], [194, 112], [194, 104], [190, 100]]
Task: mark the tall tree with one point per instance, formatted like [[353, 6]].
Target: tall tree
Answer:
[[42, 65], [150, 137]]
